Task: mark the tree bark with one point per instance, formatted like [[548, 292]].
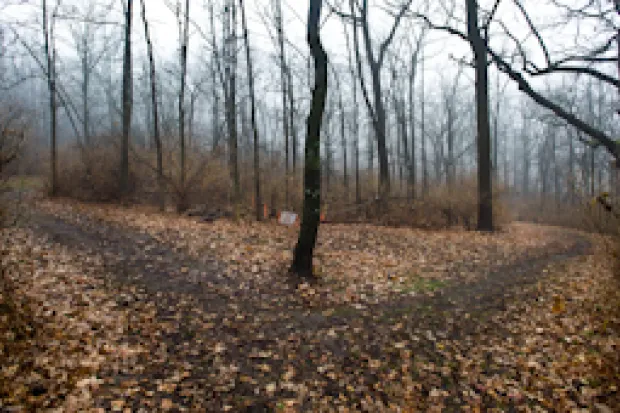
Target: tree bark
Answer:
[[182, 203], [284, 96], [257, 194], [495, 136], [126, 103], [423, 131], [50, 54], [85, 89], [379, 122], [154, 109], [302, 259], [412, 162], [292, 117], [525, 155], [478, 45], [230, 56], [450, 170], [343, 136], [215, 109], [354, 123]]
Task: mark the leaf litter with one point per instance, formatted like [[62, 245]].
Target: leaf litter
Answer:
[[401, 320]]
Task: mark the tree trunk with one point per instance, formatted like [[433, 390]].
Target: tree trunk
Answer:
[[412, 127], [50, 54], [525, 156], [285, 113], [556, 170], [292, 117], [450, 170], [371, 152], [592, 174], [182, 204], [231, 112], [571, 167], [302, 259], [380, 134], [190, 119], [404, 135], [354, 124], [154, 109], [257, 194], [127, 103], [495, 145], [377, 107], [343, 137], [478, 45], [85, 90], [215, 109], [423, 131]]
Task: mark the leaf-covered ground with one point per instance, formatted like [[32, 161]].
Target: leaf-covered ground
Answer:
[[134, 310]]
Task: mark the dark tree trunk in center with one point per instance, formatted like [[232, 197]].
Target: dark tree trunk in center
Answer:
[[302, 259]]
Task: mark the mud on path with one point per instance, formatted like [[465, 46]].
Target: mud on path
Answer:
[[217, 340]]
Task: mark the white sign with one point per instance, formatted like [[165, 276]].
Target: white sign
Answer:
[[287, 218]]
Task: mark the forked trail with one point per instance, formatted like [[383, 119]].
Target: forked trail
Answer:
[[216, 333]]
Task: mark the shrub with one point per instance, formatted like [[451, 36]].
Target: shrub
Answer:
[[92, 175], [440, 208]]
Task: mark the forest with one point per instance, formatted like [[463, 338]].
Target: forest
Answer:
[[309, 206]]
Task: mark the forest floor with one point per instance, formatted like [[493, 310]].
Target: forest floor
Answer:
[[126, 309]]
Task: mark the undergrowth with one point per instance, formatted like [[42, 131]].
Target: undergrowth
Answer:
[[92, 175]]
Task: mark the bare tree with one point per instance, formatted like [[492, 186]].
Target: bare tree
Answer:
[[154, 109], [292, 116], [355, 118], [230, 93], [184, 42], [450, 108], [50, 57], [413, 70], [423, 128], [343, 136], [85, 33], [376, 108], [302, 258], [126, 101], [285, 101], [257, 194], [485, 194], [215, 107]]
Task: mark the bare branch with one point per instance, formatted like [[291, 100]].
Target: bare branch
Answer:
[[534, 30], [388, 40], [485, 26]]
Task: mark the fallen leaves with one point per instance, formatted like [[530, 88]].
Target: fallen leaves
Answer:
[[75, 327], [547, 354], [357, 263], [385, 329]]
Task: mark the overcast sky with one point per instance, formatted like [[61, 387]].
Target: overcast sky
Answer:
[[440, 53]]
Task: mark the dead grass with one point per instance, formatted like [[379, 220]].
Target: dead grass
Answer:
[[92, 175]]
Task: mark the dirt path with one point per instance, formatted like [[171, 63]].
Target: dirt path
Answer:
[[221, 343]]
